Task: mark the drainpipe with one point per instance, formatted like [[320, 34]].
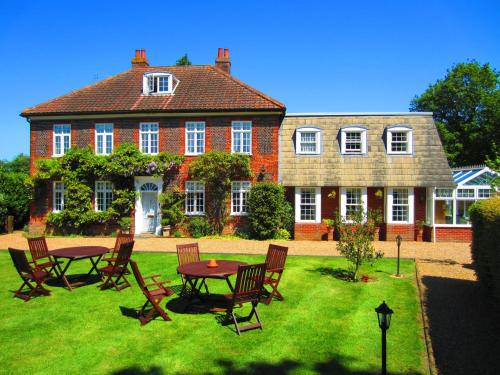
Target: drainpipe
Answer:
[[434, 214]]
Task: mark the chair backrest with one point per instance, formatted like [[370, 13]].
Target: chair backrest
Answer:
[[188, 253], [38, 248], [249, 282], [121, 238], [138, 276], [276, 258], [124, 253], [20, 261]]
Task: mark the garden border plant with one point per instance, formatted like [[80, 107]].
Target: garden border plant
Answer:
[[79, 168]]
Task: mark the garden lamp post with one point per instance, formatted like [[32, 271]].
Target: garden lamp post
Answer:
[[384, 321], [398, 241]]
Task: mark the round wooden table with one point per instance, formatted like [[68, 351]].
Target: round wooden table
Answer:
[[94, 253], [195, 273]]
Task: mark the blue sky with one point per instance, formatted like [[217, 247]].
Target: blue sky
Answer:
[[313, 56]]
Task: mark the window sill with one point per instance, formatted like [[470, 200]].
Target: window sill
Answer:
[[193, 153], [195, 214], [453, 225], [307, 154], [239, 214]]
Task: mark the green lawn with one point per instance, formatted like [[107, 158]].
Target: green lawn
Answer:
[[325, 325]]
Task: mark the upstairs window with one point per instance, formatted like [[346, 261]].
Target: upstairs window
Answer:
[[399, 140], [103, 195], [353, 141], [241, 137], [149, 137], [158, 83], [103, 139], [195, 138], [308, 141], [62, 139], [58, 196]]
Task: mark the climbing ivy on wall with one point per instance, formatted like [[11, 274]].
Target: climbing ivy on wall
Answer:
[[79, 168]]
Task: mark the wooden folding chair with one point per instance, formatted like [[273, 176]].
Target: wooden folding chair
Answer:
[[248, 289], [29, 275], [153, 295], [189, 253], [39, 251], [120, 238], [115, 272], [275, 265]]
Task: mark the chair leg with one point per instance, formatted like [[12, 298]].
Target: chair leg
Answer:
[[235, 323]]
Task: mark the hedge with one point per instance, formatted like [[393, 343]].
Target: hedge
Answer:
[[485, 217]]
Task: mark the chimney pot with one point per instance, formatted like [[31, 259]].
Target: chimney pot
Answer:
[[226, 53], [219, 53], [143, 53], [137, 53], [140, 58]]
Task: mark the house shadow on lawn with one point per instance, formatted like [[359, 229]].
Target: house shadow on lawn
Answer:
[[464, 326], [285, 367]]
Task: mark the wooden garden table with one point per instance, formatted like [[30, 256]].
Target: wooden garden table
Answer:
[[196, 272], [94, 253]]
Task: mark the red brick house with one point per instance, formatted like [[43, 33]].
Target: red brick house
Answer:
[[186, 110]]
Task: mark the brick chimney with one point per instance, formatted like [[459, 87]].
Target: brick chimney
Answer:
[[140, 58], [222, 61]]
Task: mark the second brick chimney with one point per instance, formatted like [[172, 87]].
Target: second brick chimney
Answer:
[[222, 61], [140, 58]]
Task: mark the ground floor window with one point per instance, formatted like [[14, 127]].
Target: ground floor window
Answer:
[[195, 198], [400, 205], [103, 195], [307, 204], [352, 200], [58, 196], [239, 197]]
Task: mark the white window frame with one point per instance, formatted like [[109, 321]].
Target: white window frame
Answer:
[[298, 193], [196, 134], [239, 150], [363, 138], [149, 79], [411, 206], [298, 140], [242, 190], [195, 187], [57, 187], [145, 129], [343, 201], [65, 134], [409, 140], [105, 188], [106, 135]]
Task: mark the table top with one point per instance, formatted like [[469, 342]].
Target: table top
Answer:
[[200, 269], [79, 252]]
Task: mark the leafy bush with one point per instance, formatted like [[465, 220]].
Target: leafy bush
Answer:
[[269, 211], [282, 234], [199, 227], [355, 240], [217, 169], [485, 217], [125, 223], [172, 207]]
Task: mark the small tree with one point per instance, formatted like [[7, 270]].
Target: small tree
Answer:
[[217, 169], [172, 207], [269, 211], [355, 240], [184, 60]]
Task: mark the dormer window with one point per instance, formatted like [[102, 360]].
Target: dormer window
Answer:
[[158, 83], [400, 140], [308, 141], [353, 140]]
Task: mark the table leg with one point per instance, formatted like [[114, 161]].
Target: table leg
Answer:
[[94, 265], [229, 284], [63, 274]]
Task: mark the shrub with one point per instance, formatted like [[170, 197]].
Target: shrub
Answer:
[[172, 207], [282, 234], [355, 240], [485, 217], [199, 227], [125, 223], [269, 210]]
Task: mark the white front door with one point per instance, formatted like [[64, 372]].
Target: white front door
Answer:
[[149, 211]]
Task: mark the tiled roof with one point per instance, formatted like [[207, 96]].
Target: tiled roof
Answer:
[[201, 88]]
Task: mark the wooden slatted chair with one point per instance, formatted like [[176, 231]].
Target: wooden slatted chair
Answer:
[[189, 253], [248, 289], [40, 251], [29, 275], [275, 265], [120, 238], [115, 272], [154, 292]]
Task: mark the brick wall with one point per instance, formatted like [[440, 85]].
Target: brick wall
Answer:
[[310, 231], [264, 158], [453, 234]]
